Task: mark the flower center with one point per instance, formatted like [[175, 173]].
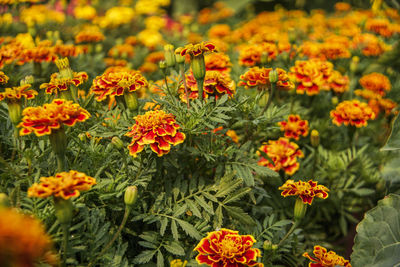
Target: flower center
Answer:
[[229, 246]]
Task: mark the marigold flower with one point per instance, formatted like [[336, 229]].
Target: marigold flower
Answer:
[[352, 112], [89, 35], [58, 83], [380, 26], [195, 50], [250, 55], [219, 31], [323, 258], [115, 82], [227, 248], [283, 154], [178, 263], [157, 129], [218, 62], [260, 77], [305, 190], [16, 93], [85, 12], [376, 82], [215, 84], [309, 76], [339, 83], [121, 50], [68, 50], [23, 240], [42, 120], [369, 44], [294, 127], [43, 52], [342, 6], [63, 185], [3, 78]]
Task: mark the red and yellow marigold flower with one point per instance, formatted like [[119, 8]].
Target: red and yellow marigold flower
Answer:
[[380, 26], [43, 52], [16, 93], [283, 154], [294, 127], [250, 55], [195, 50], [215, 84], [305, 190], [352, 112], [227, 248], [23, 240], [323, 258], [376, 82], [369, 44], [157, 129], [63, 185], [89, 35], [3, 78], [115, 82], [58, 83], [339, 83], [259, 77], [218, 62], [44, 119]]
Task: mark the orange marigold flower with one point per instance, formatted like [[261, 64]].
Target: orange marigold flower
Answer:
[[112, 62], [323, 258], [58, 83], [63, 185], [15, 93], [367, 94], [121, 50], [157, 129], [380, 26], [227, 248], [305, 190], [250, 55], [42, 120], [218, 62], [215, 84], [369, 44], [352, 112], [195, 50], [333, 50], [294, 127], [376, 82], [43, 52], [68, 50], [260, 77], [342, 6], [3, 78], [283, 154], [233, 135], [339, 83], [90, 35], [23, 240], [115, 82], [219, 31], [387, 105]]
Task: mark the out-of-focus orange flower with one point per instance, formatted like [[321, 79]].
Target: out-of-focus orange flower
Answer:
[[376, 82], [3, 78], [89, 35], [376, 102], [58, 83], [369, 44], [323, 258], [219, 31], [352, 112], [305, 190], [250, 55], [148, 67], [23, 240], [16, 93], [294, 127], [150, 38], [155, 57], [131, 40], [121, 50], [283, 154], [43, 52], [215, 84], [157, 129], [63, 185], [227, 248], [380, 26], [43, 119], [217, 62], [85, 12], [233, 135], [342, 6], [259, 77], [339, 83], [114, 83], [68, 50]]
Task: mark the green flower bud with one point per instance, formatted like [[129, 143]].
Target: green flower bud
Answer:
[[14, 111], [335, 100], [131, 100], [63, 210], [314, 138], [27, 80], [264, 58], [131, 195], [98, 48], [163, 67], [299, 209], [169, 55], [82, 137], [273, 76], [117, 142], [198, 67]]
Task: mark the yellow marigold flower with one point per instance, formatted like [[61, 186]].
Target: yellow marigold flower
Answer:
[[195, 50], [85, 12], [63, 185], [42, 120], [150, 38], [177, 263], [218, 62], [121, 50], [367, 94], [323, 258], [232, 134], [376, 82], [40, 14], [283, 154], [89, 35], [352, 112], [339, 83], [227, 248], [155, 22], [16, 93], [3, 78], [305, 190], [23, 240], [386, 105], [115, 83], [58, 83], [260, 77], [294, 127], [157, 129], [215, 84], [115, 17]]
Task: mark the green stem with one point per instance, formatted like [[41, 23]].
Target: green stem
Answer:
[[104, 250], [294, 226], [200, 83], [271, 95], [61, 166], [182, 71], [65, 228], [166, 84]]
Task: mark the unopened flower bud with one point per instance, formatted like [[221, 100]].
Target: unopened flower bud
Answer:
[[27, 80], [264, 58], [131, 100], [314, 138], [98, 48], [169, 55], [198, 67], [163, 66], [117, 142], [335, 100], [354, 63], [82, 137], [14, 111], [178, 263], [131, 195], [273, 76], [299, 209]]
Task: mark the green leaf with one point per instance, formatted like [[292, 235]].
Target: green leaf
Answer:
[[193, 208], [203, 204], [189, 229], [160, 259], [174, 248], [237, 195], [393, 141], [174, 230], [145, 256], [164, 224], [239, 214], [377, 242]]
